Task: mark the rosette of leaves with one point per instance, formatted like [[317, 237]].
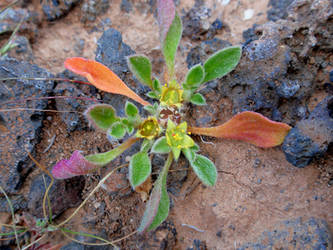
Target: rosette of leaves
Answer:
[[164, 131]]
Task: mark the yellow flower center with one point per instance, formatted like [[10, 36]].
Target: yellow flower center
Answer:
[[149, 128]]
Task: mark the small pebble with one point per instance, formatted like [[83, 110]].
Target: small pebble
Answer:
[[256, 163], [248, 14], [224, 2]]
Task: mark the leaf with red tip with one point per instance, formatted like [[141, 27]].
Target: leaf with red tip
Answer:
[[101, 77], [248, 126], [165, 14], [157, 208], [76, 165]]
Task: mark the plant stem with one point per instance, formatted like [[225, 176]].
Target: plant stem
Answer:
[[102, 159], [45, 170], [106, 242], [13, 216], [34, 242], [167, 164]]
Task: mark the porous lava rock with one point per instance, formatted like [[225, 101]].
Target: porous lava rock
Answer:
[[278, 71], [20, 129], [310, 137], [63, 194], [91, 9], [54, 10], [299, 233], [196, 23], [29, 20]]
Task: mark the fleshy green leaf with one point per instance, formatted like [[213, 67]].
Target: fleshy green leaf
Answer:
[[139, 169], [157, 86], [248, 126], [141, 68], [195, 148], [194, 77], [161, 146], [128, 125], [176, 153], [146, 145], [222, 62], [130, 129], [163, 209], [198, 99], [205, 170], [189, 154], [157, 208], [118, 130], [131, 110], [152, 95], [102, 159], [170, 44], [101, 116], [152, 109]]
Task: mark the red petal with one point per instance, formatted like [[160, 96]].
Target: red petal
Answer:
[[101, 77], [248, 126]]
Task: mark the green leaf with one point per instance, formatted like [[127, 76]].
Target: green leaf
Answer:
[[187, 94], [130, 129], [205, 170], [163, 209], [198, 99], [101, 116], [170, 44], [195, 148], [194, 76], [102, 159], [152, 94], [131, 110], [157, 86], [128, 125], [141, 68], [222, 62], [189, 154], [176, 153], [139, 169], [118, 130], [146, 145], [152, 109], [161, 146], [157, 208]]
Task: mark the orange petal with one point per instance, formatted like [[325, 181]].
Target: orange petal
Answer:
[[248, 126], [101, 77]]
